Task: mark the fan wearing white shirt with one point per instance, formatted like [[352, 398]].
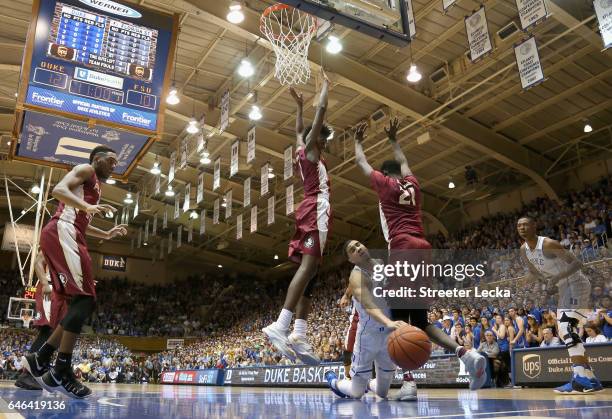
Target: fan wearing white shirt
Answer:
[[594, 333], [548, 339]]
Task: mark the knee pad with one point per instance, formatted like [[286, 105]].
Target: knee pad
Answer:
[[79, 311]]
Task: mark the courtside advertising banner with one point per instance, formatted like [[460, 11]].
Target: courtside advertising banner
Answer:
[[253, 219], [531, 12], [234, 158], [289, 200], [603, 9], [251, 145], [288, 167], [207, 377], [247, 192], [114, 263], [528, 62], [217, 174], [478, 36]]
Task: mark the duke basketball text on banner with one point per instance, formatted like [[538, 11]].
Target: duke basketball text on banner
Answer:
[[114, 263], [531, 12], [528, 63], [251, 145], [247, 192], [603, 9], [217, 174], [234, 158], [477, 30]]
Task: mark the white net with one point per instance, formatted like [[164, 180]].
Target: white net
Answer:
[[290, 32]]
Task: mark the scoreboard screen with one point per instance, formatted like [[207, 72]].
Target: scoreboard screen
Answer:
[[101, 60]]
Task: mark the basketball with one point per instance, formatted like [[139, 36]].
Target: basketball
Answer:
[[409, 347]]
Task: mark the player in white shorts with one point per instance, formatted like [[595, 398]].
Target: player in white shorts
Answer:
[[372, 331], [546, 258]]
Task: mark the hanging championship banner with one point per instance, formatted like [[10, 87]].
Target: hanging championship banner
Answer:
[[446, 4], [411, 22], [157, 185], [200, 192], [136, 207], [170, 243], [216, 211], [165, 222], [603, 10], [288, 158], [172, 167], [247, 192], [531, 12], [228, 204], [186, 202], [139, 237], [289, 199], [179, 236], [190, 231], [177, 205], [202, 222], [183, 153], [239, 227], [528, 62], [254, 219], [225, 110], [217, 174], [154, 229], [200, 142], [477, 30], [251, 145], [146, 232], [234, 158], [264, 179], [271, 210]]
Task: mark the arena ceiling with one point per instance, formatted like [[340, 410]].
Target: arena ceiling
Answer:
[[477, 114]]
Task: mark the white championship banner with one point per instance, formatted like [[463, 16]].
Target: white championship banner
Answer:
[[187, 201], [253, 219], [447, 4], [177, 200], [603, 9], [165, 221], [172, 167], [157, 184], [184, 153], [289, 199], [411, 22], [247, 192], [271, 210], [202, 222], [217, 174], [478, 36], [251, 145], [239, 227], [531, 12], [234, 158], [228, 204], [22, 234], [136, 207], [264, 179], [190, 231], [528, 62], [200, 192], [216, 211], [288, 160], [154, 229], [225, 110], [146, 231]]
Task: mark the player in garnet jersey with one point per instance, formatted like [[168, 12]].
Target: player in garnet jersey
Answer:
[[312, 219], [399, 193], [64, 247]]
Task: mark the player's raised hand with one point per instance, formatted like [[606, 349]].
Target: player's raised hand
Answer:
[[100, 209], [391, 131], [118, 230], [360, 132], [324, 75], [297, 96], [345, 301], [395, 324]]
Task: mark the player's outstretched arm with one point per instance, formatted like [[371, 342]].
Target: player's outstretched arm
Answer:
[[299, 117], [363, 295], [118, 230], [573, 264], [360, 157], [398, 154], [317, 123], [63, 191]]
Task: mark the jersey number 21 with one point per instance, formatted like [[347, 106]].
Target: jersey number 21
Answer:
[[407, 196]]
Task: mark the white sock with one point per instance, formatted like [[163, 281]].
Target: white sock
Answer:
[[284, 319], [300, 327]]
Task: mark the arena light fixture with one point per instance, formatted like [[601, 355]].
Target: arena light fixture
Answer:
[[275, 257], [587, 127], [255, 114], [169, 191], [173, 97], [128, 198], [192, 126], [334, 46], [35, 189], [219, 266], [246, 69], [413, 74], [205, 157], [271, 174], [111, 181], [155, 170], [193, 215], [235, 14], [451, 185], [224, 204]]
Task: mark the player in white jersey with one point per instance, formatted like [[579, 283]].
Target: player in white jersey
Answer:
[[372, 332], [546, 258]]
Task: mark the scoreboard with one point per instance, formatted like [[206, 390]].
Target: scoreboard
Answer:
[[98, 63]]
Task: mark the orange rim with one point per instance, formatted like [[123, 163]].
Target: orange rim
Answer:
[[275, 8]]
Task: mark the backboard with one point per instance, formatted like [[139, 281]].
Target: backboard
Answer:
[[391, 21]]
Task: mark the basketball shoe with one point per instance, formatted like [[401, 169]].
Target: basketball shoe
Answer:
[[27, 382], [34, 366], [332, 380], [303, 349], [67, 384], [408, 391], [475, 364], [579, 385], [279, 338]]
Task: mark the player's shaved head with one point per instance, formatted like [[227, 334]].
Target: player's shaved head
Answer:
[[98, 150], [527, 218], [391, 168]]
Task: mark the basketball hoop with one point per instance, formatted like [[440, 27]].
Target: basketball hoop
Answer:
[[290, 31]]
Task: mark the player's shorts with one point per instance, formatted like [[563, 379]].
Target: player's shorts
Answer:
[[312, 224], [408, 242], [50, 310], [65, 251], [349, 338], [371, 346]]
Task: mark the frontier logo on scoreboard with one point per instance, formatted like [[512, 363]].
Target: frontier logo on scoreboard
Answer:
[[112, 7]]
